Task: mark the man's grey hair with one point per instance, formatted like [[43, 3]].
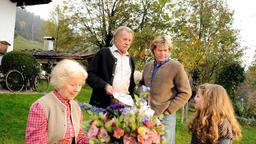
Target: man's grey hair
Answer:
[[120, 29]]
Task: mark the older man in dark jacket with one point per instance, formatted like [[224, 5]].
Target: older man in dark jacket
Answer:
[[112, 69]]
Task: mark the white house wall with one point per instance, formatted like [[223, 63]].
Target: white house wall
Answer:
[[7, 22]]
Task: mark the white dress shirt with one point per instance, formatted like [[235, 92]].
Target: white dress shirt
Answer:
[[122, 72]]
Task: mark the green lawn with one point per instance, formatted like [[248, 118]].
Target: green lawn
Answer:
[[14, 111], [21, 44]]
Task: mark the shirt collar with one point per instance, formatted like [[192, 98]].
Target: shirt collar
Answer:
[[161, 63], [114, 49], [61, 98]]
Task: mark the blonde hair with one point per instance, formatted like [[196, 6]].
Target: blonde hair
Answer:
[[65, 70], [217, 108], [161, 40]]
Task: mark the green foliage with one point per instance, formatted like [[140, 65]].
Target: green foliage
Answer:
[[202, 34], [240, 107], [98, 19], [230, 77], [140, 46], [246, 100], [246, 92], [203, 37], [59, 26], [251, 105], [251, 75], [21, 61]]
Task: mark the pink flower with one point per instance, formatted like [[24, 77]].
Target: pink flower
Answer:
[[111, 123], [103, 135], [118, 133], [154, 136], [93, 131], [148, 124], [143, 140], [128, 139]]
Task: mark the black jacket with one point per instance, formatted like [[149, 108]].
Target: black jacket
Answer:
[[100, 73]]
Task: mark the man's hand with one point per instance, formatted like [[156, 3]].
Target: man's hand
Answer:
[[109, 89]]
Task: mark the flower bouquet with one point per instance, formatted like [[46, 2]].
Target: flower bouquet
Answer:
[[120, 124]]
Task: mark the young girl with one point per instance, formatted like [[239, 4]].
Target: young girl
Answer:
[[215, 122]]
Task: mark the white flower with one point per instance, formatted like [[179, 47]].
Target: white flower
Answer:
[[137, 76], [145, 110]]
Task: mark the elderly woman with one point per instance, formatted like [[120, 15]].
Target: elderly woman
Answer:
[[168, 84], [56, 117]]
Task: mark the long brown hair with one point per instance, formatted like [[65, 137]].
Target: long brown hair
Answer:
[[217, 108]]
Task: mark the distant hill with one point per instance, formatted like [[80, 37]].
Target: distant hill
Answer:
[[28, 29], [21, 43], [28, 25]]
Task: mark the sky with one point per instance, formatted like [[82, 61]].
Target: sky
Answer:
[[244, 20], [43, 10]]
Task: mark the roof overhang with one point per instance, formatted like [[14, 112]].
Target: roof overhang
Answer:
[[30, 2], [62, 55]]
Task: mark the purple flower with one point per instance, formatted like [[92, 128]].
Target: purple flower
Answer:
[[85, 106], [144, 88], [101, 110], [116, 106], [145, 119], [126, 110]]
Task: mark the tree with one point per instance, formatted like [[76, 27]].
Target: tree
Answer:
[[60, 27], [140, 47], [230, 77], [98, 19], [251, 73], [202, 34], [246, 92], [203, 37]]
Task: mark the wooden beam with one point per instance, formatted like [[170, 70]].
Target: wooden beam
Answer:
[[30, 2]]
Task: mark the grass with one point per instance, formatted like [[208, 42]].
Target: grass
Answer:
[[21, 43], [14, 109], [13, 112]]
